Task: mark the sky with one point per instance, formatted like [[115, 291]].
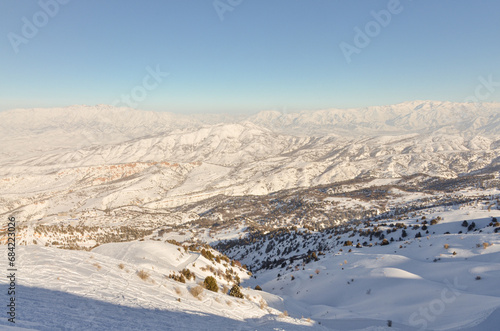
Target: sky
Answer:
[[244, 56]]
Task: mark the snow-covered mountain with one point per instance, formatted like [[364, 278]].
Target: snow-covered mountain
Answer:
[[73, 159], [118, 189], [39, 130], [414, 116]]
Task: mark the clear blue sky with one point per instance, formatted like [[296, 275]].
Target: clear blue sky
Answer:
[[279, 54]]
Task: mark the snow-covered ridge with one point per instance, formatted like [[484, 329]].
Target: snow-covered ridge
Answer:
[[408, 116], [70, 160]]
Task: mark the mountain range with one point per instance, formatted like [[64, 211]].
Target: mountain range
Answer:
[[81, 157]]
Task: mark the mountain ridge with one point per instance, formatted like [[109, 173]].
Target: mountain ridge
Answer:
[[163, 162]]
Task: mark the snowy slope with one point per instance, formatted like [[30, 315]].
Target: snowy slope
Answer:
[[74, 290], [445, 280], [416, 283]]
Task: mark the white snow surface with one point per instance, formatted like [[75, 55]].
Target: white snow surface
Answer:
[[77, 290], [359, 290]]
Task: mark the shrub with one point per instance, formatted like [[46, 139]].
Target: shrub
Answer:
[[284, 314], [179, 278], [236, 292], [446, 246], [173, 242], [196, 291], [207, 254], [188, 274], [465, 224], [211, 284], [258, 288], [121, 266], [485, 245], [384, 242], [434, 222], [143, 274]]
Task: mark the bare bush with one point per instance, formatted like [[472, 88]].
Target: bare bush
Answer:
[[144, 275], [196, 291]]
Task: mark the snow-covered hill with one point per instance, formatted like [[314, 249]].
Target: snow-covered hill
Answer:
[[433, 271], [126, 287]]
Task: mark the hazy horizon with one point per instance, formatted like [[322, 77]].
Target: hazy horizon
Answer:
[[245, 57]]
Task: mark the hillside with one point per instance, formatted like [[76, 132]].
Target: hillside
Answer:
[[344, 278], [125, 287]]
